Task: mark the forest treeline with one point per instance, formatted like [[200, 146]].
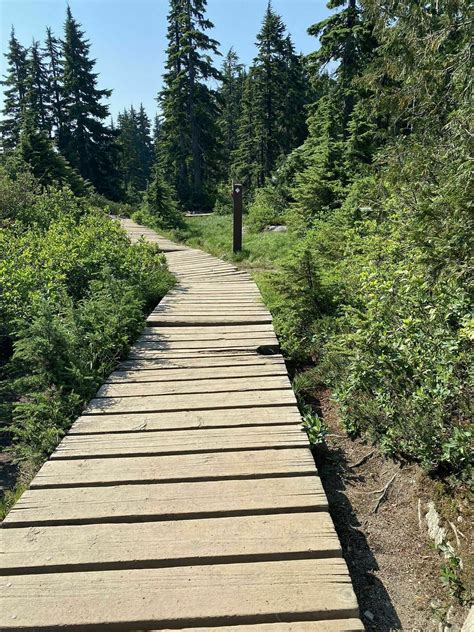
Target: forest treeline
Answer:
[[362, 148]]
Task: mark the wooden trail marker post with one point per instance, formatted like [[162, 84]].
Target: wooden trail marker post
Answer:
[[237, 195]]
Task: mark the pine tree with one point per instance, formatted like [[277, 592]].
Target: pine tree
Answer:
[[233, 76], [160, 201], [37, 90], [46, 164], [85, 141], [146, 151], [189, 139], [273, 117], [346, 38], [52, 52], [137, 153], [15, 83]]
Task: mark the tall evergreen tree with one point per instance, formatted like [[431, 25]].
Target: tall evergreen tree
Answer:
[[46, 164], [86, 142], [346, 38], [273, 118], [15, 82], [53, 58], [233, 76], [189, 138], [37, 98], [136, 150], [146, 150]]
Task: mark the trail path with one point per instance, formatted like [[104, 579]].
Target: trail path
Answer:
[[186, 495]]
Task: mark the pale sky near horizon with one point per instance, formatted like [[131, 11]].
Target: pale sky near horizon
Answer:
[[128, 37]]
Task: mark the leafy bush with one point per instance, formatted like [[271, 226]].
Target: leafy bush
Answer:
[[267, 208], [378, 296], [73, 292], [223, 204]]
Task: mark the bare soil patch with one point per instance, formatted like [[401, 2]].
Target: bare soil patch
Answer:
[[374, 502]]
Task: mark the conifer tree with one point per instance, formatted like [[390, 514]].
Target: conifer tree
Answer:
[[37, 90], [345, 38], [273, 117], [15, 83], [85, 141], [146, 152], [52, 52], [46, 164], [233, 76], [136, 147], [160, 200], [189, 139]]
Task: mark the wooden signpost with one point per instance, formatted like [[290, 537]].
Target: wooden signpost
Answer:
[[237, 195]]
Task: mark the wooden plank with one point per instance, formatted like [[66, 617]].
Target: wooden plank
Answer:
[[204, 374], [219, 418], [233, 330], [155, 544], [167, 501], [224, 385], [339, 625], [204, 440], [203, 353], [221, 343], [181, 596], [163, 319], [189, 402], [164, 361], [203, 334], [66, 471]]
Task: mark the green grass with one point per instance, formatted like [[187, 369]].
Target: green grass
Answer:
[[213, 233]]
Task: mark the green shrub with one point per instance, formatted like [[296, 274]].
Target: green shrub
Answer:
[[73, 293], [224, 204], [266, 208], [378, 295]]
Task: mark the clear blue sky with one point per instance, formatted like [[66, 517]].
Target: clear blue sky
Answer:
[[128, 36]]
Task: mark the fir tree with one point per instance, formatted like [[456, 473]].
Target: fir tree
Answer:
[[160, 201], [145, 140], [273, 117], [52, 52], [233, 76], [85, 141], [46, 164], [189, 140], [15, 83], [136, 150], [345, 38], [37, 90]]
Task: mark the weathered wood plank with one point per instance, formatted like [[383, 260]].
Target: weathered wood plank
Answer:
[[163, 319], [169, 442], [65, 470], [231, 330], [185, 345], [339, 625], [136, 503], [223, 385], [190, 402], [204, 374], [181, 596], [164, 361], [218, 418], [183, 542]]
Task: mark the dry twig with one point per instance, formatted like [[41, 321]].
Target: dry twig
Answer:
[[362, 460], [383, 495]]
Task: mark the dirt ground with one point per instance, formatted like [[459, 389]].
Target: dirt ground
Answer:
[[395, 569]]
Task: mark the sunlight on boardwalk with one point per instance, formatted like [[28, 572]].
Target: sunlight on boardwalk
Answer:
[[186, 495]]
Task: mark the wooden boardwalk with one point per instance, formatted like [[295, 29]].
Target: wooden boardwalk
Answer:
[[186, 496]]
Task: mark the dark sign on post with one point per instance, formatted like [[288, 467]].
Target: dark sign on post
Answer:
[[237, 195]]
